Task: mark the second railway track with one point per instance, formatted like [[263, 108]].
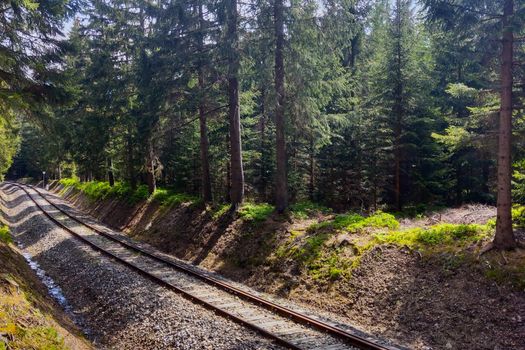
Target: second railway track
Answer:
[[289, 328]]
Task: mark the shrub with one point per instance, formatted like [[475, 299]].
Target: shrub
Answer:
[[168, 198], [70, 182], [96, 189], [518, 216], [255, 212], [141, 193]]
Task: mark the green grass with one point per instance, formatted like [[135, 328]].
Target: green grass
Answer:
[[220, 211], [25, 326], [305, 209], [356, 223], [377, 220], [515, 275], [168, 198], [518, 216], [255, 212], [98, 190], [311, 253], [5, 236], [325, 260], [441, 234]]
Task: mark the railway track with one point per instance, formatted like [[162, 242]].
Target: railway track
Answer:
[[287, 327]]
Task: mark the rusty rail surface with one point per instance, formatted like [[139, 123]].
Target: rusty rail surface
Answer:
[[351, 339]]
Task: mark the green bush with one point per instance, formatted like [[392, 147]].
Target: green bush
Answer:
[[97, 190], [518, 216], [255, 212], [140, 194], [70, 182]]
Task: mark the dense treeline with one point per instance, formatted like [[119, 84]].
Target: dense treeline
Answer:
[[352, 103]]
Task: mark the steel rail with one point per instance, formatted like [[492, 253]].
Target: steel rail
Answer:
[[164, 283], [348, 337]]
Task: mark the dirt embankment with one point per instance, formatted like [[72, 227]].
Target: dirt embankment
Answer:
[[439, 302], [29, 317]]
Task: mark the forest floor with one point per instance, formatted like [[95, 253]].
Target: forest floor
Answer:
[[29, 317], [418, 281]]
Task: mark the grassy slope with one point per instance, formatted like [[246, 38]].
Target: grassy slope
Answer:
[[349, 264], [329, 247]]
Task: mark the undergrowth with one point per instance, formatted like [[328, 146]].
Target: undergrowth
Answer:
[[356, 223], [333, 249], [99, 190], [169, 198], [305, 209], [255, 212], [220, 210], [440, 234], [5, 236]]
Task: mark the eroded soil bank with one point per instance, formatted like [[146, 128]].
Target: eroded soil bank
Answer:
[[443, 300]]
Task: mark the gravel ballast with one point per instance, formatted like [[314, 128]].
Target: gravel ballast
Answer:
[[118, 308]]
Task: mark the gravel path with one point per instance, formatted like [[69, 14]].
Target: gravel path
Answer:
[[118, 308]]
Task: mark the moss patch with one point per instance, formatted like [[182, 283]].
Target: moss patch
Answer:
[[441, 234], [332, 249], [255, 212], [5, 236]]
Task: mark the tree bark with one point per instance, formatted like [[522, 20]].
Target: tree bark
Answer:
[[262, 170], [281, 183], [398, 110], [111, 176], [237, 174], [504, 238], [204, 143], [150, 167], [311, 186], [131, 160]]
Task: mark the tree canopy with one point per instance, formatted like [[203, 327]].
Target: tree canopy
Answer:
[[357, 104]]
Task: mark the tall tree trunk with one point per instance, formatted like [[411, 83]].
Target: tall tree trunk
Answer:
[[237, 174], [131, 160], [504, 238], [111, 175], [150, 168], [281, 183], [262, 173], [398, 109], [311, 187], [204, 144]]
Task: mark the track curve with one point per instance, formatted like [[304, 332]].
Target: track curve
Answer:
[[347, 337]]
